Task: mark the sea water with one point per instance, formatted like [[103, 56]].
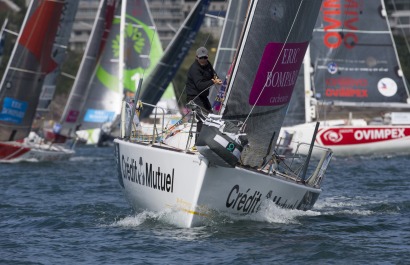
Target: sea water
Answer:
[[74, 212]]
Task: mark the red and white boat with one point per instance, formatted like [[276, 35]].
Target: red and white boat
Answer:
[[33, 149], [21, 85], [353, 85]]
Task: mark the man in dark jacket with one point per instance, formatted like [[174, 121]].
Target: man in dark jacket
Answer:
[[201, 77]]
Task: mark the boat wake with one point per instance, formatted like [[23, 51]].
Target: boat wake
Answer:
[[269, 212], [143, 218], [272, 213], [352, 206]]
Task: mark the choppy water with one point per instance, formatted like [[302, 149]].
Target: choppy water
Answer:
[[73, 212]]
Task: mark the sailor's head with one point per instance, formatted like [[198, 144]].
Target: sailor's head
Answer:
[[202, 55]]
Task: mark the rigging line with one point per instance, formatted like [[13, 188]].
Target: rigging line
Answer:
[[401, 28], [274, 66]]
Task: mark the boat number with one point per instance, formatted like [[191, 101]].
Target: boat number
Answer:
[[230, 147]]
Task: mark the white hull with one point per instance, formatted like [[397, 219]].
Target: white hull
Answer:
[[13, 152], [156, 179], [348, 140]]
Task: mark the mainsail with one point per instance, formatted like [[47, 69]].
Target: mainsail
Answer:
[[30, 61], [273, 56], [356, 68], [159, 79], [102, 24], [59, 53], [231, 33]]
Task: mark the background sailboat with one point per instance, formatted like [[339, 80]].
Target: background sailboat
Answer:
[[115, 75], [353, 84], [71, 117], [21, 84], [46, 124]]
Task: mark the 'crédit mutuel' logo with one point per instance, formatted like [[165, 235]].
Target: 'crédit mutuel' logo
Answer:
[[133, 171]]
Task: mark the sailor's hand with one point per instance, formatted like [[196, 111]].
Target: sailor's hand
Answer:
[[217, 81]]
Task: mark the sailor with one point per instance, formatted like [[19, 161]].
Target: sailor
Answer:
[[201, 77]]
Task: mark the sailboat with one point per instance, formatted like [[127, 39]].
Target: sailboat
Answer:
[[50, 129], [353, 85], [88, 108], [133, 49], [235, 170], [21, 84]]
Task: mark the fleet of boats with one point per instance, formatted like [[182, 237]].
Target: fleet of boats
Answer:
[[32, 59], [271, 137]]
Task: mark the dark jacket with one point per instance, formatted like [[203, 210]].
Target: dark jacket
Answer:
[[199, 79]]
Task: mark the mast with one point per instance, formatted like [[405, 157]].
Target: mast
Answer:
[[307, 85], [121, 63]]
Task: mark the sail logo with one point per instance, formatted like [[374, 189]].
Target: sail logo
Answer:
[[387, 87], [332, 68], [100, 116], [333, 136], [246, 202], [131, 34], [361, 135], [72, 116], [133, 170], [346, 87], [277, 74], [13, 110], [379, 134], [140, 56], [333, 15]]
